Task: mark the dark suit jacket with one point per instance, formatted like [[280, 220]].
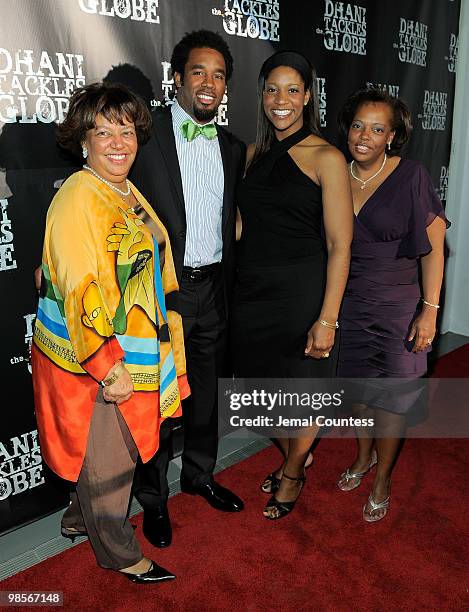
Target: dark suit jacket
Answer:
[[157, 175]]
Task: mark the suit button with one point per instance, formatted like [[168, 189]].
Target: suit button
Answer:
[[182, 234]]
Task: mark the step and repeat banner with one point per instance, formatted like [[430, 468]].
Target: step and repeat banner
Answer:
[[50, 47]]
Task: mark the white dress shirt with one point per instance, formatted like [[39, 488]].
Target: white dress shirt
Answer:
[[202, 184]]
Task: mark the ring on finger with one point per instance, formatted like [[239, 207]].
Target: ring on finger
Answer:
[[325, 355]]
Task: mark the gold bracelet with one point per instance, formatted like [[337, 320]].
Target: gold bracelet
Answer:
[[429, 304], [110, 380], [329, 325]]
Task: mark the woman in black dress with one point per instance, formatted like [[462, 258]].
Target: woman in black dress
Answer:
[[294, 252], [387, 324]]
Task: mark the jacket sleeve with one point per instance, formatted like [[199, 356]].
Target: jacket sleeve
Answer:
[[77, 253]]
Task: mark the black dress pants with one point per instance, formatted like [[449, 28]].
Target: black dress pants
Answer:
[[202, 306]]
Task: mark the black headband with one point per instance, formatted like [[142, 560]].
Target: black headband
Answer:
[[291, 59]]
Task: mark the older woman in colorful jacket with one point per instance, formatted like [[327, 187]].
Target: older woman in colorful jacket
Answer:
[[108, 350]]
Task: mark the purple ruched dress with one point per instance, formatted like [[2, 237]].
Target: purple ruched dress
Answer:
[[383, 292]]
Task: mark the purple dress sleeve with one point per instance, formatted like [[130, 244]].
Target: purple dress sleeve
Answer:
[[425, 207]]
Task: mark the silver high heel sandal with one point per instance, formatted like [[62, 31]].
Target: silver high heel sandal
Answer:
[[384, 505], [358, 476]]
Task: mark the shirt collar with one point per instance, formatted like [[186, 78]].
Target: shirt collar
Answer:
[[180, 115]]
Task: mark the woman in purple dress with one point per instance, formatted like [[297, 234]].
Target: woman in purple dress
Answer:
[[388, 322]]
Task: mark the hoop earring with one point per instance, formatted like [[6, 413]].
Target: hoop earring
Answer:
[[84, 152]]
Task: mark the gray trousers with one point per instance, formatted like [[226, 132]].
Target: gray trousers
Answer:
[[100, 502]]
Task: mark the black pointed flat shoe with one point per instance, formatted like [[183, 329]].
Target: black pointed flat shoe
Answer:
[[71, 534], [156, 573]]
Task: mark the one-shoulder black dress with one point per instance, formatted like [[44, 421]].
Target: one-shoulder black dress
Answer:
[[281, 271]]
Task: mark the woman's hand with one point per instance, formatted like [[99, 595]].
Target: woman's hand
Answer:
[[424, 327], [320, 341], [38, 278], [423, 330], [121, 389]]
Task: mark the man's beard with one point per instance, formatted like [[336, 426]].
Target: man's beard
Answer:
[[204, 114]]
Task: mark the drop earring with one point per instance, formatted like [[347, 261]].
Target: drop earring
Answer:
[[84, 152], [389, 146]]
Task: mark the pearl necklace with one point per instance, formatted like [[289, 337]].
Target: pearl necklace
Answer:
[[357, 178], [108, 183]]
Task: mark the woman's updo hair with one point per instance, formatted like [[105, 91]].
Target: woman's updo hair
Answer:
[[297, 61], [401, 117]]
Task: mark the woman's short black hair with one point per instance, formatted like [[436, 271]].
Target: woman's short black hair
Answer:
[[198, 40], [401, 116], [112, 100]]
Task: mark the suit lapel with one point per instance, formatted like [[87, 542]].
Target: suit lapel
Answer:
[[226, 156], [164, 136]]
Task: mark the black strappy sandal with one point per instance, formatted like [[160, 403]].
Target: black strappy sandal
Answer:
[[283, 508], [271, 482]]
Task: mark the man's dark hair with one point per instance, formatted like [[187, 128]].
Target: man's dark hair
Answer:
[[198, 40]]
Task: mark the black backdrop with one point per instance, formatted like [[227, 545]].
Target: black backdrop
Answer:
[[50, 47]]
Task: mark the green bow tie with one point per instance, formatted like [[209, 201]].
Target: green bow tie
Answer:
[[191, 130]]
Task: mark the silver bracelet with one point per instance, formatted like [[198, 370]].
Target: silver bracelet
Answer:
[[329, 325], [430, 304]]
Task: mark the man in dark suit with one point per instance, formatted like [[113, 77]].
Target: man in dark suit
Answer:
[[188, 172]]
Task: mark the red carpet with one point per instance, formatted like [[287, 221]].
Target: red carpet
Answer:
[[453, 365], [321, 557]]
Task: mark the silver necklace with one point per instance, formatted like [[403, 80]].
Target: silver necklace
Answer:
[[108, 183], [363, 183]]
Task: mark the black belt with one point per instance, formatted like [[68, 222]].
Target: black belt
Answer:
[[196, 275]]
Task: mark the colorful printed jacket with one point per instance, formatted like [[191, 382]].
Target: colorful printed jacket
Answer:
[[102, 299]]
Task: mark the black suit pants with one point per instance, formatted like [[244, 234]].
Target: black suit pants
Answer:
[[202, 306]]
